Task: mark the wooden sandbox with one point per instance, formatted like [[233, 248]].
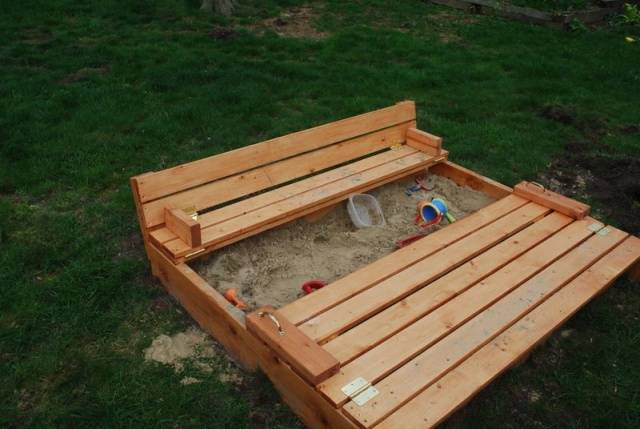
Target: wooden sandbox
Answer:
[[406, 340]]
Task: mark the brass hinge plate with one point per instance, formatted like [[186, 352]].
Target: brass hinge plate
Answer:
[[360, 391]]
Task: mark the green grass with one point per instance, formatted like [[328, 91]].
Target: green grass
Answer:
[[94, 92]]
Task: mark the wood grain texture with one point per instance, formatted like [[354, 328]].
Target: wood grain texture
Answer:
[[424, 141], [553, 200], [158, 184], [444, 319], [402, 385], [376, 329], [292, 216], [182, 225], [457, 387], [468, 178], [304, 203], [305, 356], [268, 176]]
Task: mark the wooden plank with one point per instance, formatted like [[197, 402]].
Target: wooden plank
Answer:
[[306, 357], [339, 189], [239, 185], [347, 314], [278, 195], [315, 182], [424, 141], [292, 216], [330, 202], [555, 201], [465, 177], [406, 344], [313, 410], [162, 235], [457, 387], [182, 225], [212, 312], [171, 180], [419, 373], [342, 289], [133, 181], [378, 328]]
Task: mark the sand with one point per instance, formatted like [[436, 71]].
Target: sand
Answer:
[[193, 352], [270, 268]]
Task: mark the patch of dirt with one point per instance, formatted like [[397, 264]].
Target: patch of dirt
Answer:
[[197, 349], [588, 169], [269, 269], [174, 350], [222, 33], [297, 22], [85, 73]]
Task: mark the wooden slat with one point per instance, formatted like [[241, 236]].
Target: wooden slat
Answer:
[[308, 359], [416, 375], [342, 289], [404, 345], [158, 184], [315, 182], [384, 324], [345, 315], [181, 224], [295, 215], [555, 201], [440, 400], [465, 177], [280, 194], [336, 190], [261, 178], [424, 141]]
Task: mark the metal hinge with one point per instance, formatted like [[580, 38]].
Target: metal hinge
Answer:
[[360, 391], [604, 231]]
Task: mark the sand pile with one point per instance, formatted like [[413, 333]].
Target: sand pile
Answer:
[[271, 267]]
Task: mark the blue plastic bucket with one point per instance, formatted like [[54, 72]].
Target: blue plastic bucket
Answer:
[[436, 208]]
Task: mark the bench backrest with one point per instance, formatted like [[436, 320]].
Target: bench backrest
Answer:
[[218, 179]]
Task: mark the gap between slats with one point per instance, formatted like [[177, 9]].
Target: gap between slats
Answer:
[[419, 373]]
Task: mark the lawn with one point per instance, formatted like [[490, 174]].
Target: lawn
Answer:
[[94, 92]]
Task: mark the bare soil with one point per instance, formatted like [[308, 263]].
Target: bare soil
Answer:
[[590, 171], [297, 22], [270, 268]]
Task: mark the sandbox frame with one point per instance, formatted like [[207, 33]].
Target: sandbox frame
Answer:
[[228, 324]]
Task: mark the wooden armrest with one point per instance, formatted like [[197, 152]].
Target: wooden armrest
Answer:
[[182, 225], [539, 195], [307, 358], [424, 141]]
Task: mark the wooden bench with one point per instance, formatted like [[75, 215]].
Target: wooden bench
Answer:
[[406, 340], [201, 206]]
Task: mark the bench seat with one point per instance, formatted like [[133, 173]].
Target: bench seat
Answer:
[[202, 206], [250, 216]]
